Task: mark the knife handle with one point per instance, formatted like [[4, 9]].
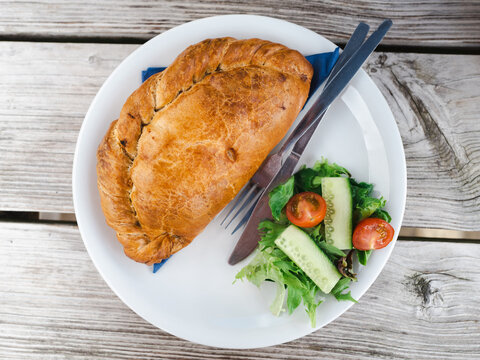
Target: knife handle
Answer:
[[250, 236], [337, 83]]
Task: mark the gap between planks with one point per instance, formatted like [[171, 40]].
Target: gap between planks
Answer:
[[414, 49], [406, 232], [419, 23]]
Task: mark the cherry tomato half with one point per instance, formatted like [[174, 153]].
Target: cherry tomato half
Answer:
[[372, 233], [306, 209]]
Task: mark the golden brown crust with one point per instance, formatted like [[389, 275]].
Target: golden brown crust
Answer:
[[189, 139]]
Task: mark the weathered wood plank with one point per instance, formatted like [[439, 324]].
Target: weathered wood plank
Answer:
[[45, 91], [54, 305], [420, 23], [46, 88], [436, 102]]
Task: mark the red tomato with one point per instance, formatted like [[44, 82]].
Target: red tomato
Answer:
[[372, 234], [306, 209]]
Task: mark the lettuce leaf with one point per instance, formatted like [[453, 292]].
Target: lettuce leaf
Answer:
[[269, 232], [294, 298], [331, 251], [338, 289], [360, 190], [307, 179], [382, 214], [365, 205], [310, 179], [363, 256], [270, 263], [326, 169], [277, 304], [279, 197], [261, 269], [367, 208]]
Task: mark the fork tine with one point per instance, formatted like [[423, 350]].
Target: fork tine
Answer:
[[248, 213], [240, 197], [252, 194]]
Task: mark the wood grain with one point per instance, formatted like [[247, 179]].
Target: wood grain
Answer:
[[419, 23], [45, 91], [436, 102], [54, 305], [46, 88]]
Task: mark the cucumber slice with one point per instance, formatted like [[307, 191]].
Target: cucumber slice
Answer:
[[338, 221], [306, 254]]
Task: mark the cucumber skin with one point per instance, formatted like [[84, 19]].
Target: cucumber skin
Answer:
[[338, 230], [303, 251]]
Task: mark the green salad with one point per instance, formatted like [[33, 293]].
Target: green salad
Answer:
[[321, 218]]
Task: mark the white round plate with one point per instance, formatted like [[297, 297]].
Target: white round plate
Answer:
[[192, 295]]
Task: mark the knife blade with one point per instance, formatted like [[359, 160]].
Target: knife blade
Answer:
[[250, 237]]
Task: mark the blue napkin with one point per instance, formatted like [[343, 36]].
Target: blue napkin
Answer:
[[322, 65]]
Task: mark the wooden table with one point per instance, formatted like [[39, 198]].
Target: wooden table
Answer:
[[54, 56]]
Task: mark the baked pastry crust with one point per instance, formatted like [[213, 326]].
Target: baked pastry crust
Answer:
[[189, 138]]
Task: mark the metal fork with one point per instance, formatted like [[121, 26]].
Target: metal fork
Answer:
[[260, 180]]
